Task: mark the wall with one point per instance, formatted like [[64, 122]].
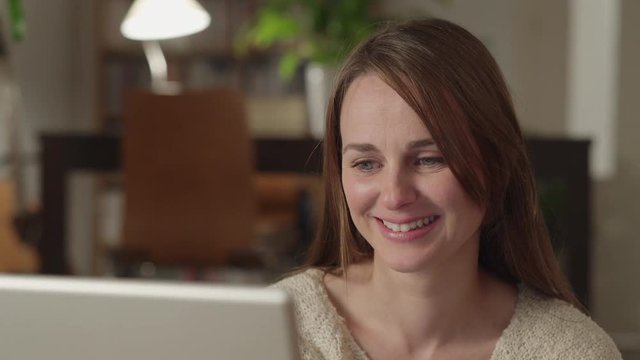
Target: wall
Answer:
[[539, 50], [46, 63], [54, 67], [616, 201]]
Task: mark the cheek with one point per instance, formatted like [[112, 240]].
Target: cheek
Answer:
[[452, 196], [360, 194]]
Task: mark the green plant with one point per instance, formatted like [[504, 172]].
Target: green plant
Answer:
[[322, 31], [16, 17]]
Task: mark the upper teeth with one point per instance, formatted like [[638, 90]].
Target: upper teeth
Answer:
[[409, 226]]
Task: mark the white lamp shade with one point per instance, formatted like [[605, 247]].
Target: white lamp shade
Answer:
[[163, 19]]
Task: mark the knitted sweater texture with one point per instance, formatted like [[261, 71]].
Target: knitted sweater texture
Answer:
[[541, 328]]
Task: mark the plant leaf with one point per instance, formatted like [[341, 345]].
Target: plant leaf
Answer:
[[273, 26], [288, 65]]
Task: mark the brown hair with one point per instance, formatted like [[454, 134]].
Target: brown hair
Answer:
[[453, 83]]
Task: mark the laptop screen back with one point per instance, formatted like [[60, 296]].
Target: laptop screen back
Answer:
[[65, 318]]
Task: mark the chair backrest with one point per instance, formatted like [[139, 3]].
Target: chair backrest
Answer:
[[188, 176]]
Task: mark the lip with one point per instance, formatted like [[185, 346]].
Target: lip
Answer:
[[409, 236]]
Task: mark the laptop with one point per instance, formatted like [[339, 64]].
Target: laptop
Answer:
[[60, 318]]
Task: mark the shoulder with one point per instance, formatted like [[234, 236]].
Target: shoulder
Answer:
[[545, 328], [321, 331], [302, 282], [307, 292]]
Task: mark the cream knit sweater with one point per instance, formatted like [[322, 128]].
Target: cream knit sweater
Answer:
[[540, 328]]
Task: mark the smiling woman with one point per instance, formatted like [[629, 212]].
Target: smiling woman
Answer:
[[432, 244]]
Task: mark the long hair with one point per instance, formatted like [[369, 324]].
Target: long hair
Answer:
[[452, 82]]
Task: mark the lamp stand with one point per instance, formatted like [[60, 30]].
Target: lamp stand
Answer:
[[158, 67]]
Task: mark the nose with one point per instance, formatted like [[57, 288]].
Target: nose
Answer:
[[399, 190]]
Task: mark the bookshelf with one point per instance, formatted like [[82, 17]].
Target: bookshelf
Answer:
[[206, 59]]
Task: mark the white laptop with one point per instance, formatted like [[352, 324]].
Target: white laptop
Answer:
[[65, 318]]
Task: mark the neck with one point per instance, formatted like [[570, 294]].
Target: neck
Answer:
[[434, 304]]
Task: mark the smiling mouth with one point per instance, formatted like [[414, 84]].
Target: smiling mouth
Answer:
[[411, 225]]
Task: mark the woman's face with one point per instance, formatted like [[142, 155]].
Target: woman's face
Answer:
[[402, 196]]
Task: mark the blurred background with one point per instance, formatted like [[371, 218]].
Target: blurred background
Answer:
[[210, 171]]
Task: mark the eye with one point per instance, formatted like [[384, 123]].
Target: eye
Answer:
[[366, 165], [430, 161]]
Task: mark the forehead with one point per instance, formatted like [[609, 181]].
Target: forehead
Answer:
[[373, 112]]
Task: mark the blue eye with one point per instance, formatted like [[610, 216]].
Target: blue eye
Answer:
[[430, 161], [365, 165]]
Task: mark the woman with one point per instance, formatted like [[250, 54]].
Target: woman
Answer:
[[432, 245]]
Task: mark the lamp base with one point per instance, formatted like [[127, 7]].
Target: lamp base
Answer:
[[166, 87]]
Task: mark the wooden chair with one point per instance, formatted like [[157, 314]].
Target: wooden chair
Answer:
[[188, 177]]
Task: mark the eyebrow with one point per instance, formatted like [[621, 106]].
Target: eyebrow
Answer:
[[365, 147], [421, 143], [360, 147]]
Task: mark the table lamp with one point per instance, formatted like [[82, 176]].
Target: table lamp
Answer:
[[152, 20]]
